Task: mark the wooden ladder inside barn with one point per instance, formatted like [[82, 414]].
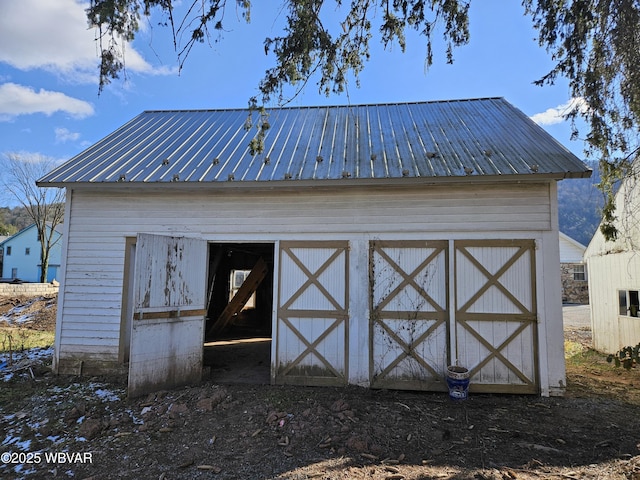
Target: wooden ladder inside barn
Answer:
[[242, 296]]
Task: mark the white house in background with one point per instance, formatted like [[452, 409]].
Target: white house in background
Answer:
[[573, 271], [21, 256], [389, 241], [613, 269]]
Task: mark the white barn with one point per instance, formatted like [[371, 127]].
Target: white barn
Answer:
[[614, 273], [392, 240]]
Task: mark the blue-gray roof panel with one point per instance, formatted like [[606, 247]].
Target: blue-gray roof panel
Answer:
[[486, 137]]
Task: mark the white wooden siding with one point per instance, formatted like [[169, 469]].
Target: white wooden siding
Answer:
[[607, 275], [612, 266], [570, 250], [99, 222]]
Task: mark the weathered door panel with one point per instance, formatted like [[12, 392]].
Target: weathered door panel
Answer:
[[168, 320], [495, 317], [311, 332], [409, 313]]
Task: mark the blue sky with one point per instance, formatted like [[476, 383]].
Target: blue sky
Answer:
[[50, 107]]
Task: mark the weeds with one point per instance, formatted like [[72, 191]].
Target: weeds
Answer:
[[627, 357], [17, 339]]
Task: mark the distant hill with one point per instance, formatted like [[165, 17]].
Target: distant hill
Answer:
[[12, 220], [579, 204]]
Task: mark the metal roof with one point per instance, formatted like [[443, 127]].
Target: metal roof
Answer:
[[431, 140]]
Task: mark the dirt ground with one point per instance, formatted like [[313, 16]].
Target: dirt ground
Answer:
[[39, 312], [85, 428]]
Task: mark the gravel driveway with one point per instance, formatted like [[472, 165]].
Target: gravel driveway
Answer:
[[576, 317]]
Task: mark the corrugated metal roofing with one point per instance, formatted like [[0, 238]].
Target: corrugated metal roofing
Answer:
[[434, 140]]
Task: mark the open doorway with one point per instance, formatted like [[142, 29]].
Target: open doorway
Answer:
[[237, 346]]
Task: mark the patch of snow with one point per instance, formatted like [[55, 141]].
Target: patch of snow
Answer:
[[104, 394], [35, 425], [16, 315], [21, 469], [23, 318], [21, 361], [23, 445], [134, 419], [38, 353], [9, 440]]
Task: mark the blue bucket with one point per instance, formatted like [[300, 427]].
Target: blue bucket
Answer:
[[458, 382]]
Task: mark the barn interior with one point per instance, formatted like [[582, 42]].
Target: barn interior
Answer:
[[237, 346]]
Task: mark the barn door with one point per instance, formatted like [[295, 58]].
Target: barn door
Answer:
[[311, 334], [495, 317], [409, 335], [168, 317]]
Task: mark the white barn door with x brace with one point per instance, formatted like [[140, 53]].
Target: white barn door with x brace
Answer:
[[495, 316], [489, 325], [409, 312], [311, 330]]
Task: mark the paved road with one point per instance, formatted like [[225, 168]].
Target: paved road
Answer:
[[576, 316]]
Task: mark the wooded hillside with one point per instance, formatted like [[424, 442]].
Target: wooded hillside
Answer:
[[580, 202], [12, 220]]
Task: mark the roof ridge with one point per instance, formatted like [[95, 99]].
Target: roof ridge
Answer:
[[299, 107]]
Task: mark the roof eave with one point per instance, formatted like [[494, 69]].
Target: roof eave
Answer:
[[396, 181]]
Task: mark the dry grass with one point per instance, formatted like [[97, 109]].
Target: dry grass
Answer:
[[38, 331], [590, 375], [15, 339]]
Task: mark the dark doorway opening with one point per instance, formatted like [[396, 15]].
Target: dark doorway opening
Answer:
[[237, 345]]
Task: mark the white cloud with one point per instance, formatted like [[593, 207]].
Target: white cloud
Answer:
[[30, 157], [53, 35], [557, 114], [64, 135], [20, 100]]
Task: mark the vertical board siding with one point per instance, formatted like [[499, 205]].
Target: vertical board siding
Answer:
[[170, 272], [167, 331], [608, 274]]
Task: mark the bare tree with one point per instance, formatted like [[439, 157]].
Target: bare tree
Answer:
[[45, 206]]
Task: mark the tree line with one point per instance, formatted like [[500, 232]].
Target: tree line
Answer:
[[12, 220]]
